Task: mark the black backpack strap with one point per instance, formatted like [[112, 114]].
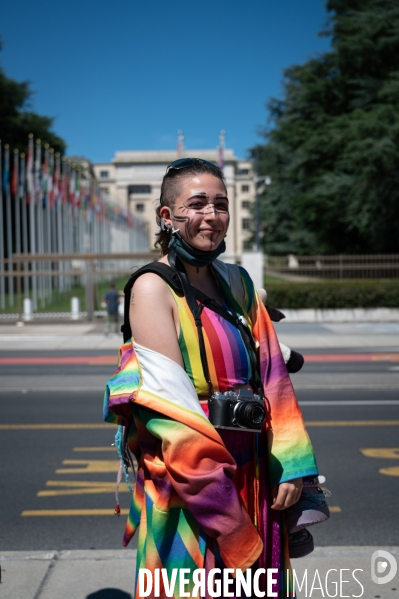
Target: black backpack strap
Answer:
[[159, 268]]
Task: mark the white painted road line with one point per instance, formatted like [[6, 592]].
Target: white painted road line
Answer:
[[350, 402]]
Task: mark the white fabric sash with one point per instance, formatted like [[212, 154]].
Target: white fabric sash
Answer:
[[164, 377]]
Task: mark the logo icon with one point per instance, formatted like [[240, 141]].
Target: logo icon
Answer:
[[380, 560]]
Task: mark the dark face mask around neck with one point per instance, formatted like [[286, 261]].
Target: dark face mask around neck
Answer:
[[191, 255]]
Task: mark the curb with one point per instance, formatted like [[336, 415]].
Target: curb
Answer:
[[341, 315], [110, 574]]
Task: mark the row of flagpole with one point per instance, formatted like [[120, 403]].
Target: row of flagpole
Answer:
[[48, 204]]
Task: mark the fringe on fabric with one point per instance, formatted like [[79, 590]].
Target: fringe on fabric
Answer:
[[126, 462]]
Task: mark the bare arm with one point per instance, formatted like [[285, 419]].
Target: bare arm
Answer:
[[151, 317]]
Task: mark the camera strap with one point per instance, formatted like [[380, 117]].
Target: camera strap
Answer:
[[248, 340]]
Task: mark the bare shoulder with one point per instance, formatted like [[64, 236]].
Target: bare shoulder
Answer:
[[153, 317], [150, 282], [151, 293]]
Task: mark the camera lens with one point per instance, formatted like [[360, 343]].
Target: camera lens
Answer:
[[249, 414]]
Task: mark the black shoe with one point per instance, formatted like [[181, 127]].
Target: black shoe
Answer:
[[300, 543]]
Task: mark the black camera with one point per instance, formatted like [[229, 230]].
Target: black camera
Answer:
[[237, 411]]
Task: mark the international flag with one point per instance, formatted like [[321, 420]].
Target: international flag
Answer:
[[29, 170], [65, 182], [57, 176], [92, 194], [77, 190], [14, 178], [50, 189], [21, 186], [37, 174], [6, 171], [45, 179], [71, 194]]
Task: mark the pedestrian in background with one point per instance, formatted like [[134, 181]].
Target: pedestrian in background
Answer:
[[111, 299]]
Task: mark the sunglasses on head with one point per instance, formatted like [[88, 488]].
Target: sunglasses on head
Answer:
[[181, 163], [186, 162]]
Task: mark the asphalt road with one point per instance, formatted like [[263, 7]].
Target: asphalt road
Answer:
[[48, 474]]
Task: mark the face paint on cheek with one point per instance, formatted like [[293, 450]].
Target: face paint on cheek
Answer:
[[192, 225], [188, 229], [188, 225], [182, 219]]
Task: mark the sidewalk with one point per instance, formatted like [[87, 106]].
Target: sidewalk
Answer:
[[58, 336], [88, 336], [110, 574]]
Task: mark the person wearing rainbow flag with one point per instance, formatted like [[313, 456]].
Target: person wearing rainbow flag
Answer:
[[206, 496]]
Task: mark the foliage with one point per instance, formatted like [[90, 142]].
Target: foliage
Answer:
[[332, 143], [377, 293], [17, 120]]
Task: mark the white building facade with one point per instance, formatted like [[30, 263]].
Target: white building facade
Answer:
[[134, 179]]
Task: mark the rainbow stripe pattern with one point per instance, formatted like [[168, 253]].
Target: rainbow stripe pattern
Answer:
[[203, 498], [228, 359]]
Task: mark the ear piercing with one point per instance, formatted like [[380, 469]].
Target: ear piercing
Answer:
[[167, 227], [164, 227]]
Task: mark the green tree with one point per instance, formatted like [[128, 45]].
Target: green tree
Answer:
[[332, 142], [17, 120]]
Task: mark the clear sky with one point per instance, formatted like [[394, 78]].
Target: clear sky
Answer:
[[126, 75]]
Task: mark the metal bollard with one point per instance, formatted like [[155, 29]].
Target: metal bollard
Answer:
[[75, 308], [28, 311], [253, 263]]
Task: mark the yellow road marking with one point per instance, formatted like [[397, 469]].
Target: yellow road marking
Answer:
[[95, 512], [98, 512], [89, 466], [39, 427], [392, 471], [85, 491], [78, 483], [334, 509], [18, 427], [381, 452], [352, 423], [79, 488], [106, 448]]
